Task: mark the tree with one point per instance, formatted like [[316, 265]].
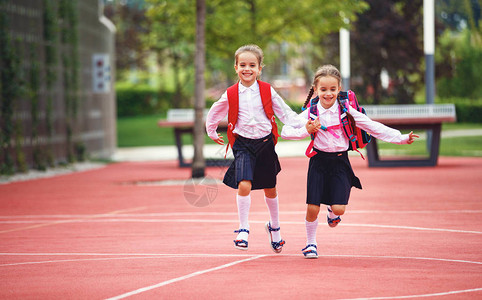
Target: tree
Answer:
[[230, 24], [198, 164], [459, 57], [172, 39], [456, 16], [388, 36], [131, 25]]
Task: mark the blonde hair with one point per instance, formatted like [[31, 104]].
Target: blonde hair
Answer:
[[255, 49], [323, 71]]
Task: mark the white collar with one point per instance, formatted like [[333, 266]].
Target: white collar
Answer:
[[332, 109], [253, 87]]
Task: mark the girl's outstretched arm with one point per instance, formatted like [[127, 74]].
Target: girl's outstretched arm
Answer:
[[285, 113], [296, 132], [216, 114], [379, 130]]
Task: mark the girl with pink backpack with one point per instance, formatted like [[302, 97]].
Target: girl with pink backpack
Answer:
[[330, 175]]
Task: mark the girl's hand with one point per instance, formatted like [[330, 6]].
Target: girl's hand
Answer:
[[411, 137], [313, 126], [220, 140]]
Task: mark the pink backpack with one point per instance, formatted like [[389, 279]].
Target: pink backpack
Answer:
[[358, 139]]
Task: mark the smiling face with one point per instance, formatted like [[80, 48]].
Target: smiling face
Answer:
[[247, 67], [327, 89]]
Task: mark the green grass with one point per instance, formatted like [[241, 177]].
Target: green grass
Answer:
[[143, 131], [459, 146], [449, 146]]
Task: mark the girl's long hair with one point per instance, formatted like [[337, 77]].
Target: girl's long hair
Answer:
[[323, 71]]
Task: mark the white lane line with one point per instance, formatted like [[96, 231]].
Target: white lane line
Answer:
[[55, 222], [112, 220], [126, 254], [76, 260], [250, 257], [230, 213], [403, 257], [160, 284], [418, 296], [411, 228], [211, 255]]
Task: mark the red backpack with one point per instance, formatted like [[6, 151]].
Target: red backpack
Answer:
[[233, 100], [358, 139]]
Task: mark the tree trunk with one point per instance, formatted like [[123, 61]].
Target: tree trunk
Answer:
[[178, 98], [375, 81], [199, 164], [252, 10]]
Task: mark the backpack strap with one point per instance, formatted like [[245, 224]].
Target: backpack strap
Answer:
[[343, 100], [265, 93], [312, 115], [233, 102]]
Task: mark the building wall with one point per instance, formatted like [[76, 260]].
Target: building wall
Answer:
[[94, 123]]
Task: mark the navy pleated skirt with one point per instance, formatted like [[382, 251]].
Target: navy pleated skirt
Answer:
[[254, 160], [330, 178]]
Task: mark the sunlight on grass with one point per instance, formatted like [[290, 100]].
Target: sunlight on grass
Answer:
[[143, 131], [449, 146]]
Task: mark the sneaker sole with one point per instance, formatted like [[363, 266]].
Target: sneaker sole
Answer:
[[241, 248]]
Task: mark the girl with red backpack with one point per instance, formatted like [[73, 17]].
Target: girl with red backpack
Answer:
[[330, 175], [251, 106]]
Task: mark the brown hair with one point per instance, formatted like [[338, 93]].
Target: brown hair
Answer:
[[255, 49], [323, 71]]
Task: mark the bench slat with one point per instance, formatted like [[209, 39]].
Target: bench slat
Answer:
[[412, 114], [411, 111], [182, 114]]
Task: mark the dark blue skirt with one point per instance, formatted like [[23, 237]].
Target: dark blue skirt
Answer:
[[254, 160], [330, 178]]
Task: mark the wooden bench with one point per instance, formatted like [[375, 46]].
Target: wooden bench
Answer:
[[410, 117], [182, 121]]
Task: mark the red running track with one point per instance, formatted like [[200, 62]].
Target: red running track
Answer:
[[144, 231]]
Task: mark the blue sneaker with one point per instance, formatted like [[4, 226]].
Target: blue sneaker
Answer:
[[310, 251]]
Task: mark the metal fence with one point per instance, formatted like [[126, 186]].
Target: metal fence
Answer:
[[92, 97]]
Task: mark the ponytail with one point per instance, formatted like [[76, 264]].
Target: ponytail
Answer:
[[309, 97], [351, 120]]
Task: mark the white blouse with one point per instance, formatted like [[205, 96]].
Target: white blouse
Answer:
[[327, 142], [252, 120]]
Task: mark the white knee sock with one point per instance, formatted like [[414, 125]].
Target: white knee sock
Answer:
[[244, 203], [273, 208], [311, 231]]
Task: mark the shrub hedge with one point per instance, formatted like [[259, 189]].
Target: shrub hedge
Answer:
[[469, 112], [135, 100]]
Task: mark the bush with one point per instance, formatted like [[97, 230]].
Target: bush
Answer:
[[468, 113], [135, 100], [460, 60], [469, 110]]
